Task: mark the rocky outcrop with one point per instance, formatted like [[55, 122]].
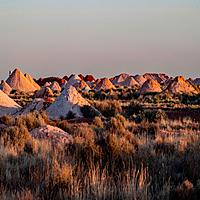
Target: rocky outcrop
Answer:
[[36, 105]]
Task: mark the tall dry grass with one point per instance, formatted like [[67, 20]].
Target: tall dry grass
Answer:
[[107, 160]]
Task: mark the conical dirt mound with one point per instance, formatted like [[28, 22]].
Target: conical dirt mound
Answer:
[[74, 79], [44, 92], [83, 86], [69, 100], [55, 87], [35, 105], [118, 80], [5, 87], [140, 79], [151, 86], [29, 77], [130, 82], [180, 86], [160, 77], [18, 81], [105, 84], [7, 105]]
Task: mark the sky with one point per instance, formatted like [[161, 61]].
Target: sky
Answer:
[[100, 37]]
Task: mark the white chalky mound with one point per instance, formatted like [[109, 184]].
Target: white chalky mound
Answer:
[[36, 105], [7, 105], [5, 87], [69, 100]]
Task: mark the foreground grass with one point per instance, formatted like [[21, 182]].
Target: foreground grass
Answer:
[[113, 159]]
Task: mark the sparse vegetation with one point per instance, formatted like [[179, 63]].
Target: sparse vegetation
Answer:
[[128, 145], [113, 158], [108, 108]]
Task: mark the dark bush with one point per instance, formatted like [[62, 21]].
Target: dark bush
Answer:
[[71, 115], [89, 112], [134, 108], [15, 136], [155, 115], [109, 108]]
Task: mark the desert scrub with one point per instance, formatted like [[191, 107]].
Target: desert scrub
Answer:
[[16, 136], [108, 108], [134, 108], [117, 123], [7, 120], [98, 122], [31, 120], [153, 116], [64, 125], [89, 112]]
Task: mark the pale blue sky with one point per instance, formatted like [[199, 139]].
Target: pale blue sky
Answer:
[[102, 37]]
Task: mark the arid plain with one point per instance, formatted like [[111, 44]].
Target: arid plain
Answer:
[[77, 137]]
